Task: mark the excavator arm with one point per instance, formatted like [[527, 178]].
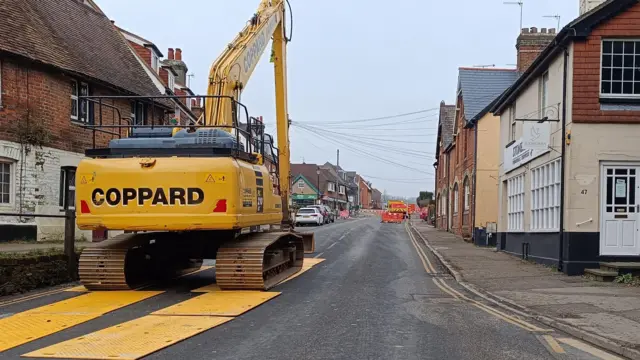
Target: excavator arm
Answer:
[[231, 71]]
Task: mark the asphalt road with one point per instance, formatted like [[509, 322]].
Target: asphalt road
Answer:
[[370, 299]]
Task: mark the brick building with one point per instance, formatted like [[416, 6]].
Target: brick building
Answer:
[[477, 88], [569, 128], [323, 179], [46, 62], [365, 200], [446, 119]]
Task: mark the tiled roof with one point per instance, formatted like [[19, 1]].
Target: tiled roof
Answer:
[[447, 119], [73, 37], [480, 87]]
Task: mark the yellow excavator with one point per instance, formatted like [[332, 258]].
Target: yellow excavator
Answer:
[[202, 191]]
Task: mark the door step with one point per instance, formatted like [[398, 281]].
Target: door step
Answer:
[[601, 275], [621, 267]]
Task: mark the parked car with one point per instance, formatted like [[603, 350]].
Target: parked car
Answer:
[[326, 213], [309, 216]]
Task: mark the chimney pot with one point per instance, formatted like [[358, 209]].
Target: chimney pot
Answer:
[[178, 54], [525, 30], [543, 30], [552, 31], [170, 56], [534, 30]]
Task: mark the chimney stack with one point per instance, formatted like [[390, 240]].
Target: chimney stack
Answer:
[[170, 56], [178, 54], [530, 44], [588, 5]]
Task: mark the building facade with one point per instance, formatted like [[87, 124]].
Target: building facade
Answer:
[[43, 116], [574, 202], [444, 140]]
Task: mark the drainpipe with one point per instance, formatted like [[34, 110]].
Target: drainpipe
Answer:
[[475, 171], [562, 157], [448, 191]]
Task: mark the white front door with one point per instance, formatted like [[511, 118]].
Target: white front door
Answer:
[[620, 210]]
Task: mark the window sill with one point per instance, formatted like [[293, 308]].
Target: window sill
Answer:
[[609, 99]]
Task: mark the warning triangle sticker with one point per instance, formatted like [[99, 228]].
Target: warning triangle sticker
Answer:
[[83, 181], [210, 178]]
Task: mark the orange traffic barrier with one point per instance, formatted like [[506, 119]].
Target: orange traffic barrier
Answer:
[[389, 217]]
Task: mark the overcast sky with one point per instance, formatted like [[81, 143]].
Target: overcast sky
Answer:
[[352, 60]]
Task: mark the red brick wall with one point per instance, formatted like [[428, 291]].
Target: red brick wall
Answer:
[[38, 95], [586, 70], [365, 194], [145, 53], [462, 164]]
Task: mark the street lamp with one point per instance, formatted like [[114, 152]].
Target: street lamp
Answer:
[[318, 183]]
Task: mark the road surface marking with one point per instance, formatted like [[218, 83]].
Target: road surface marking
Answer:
[[219, 303], [589, 349], [431, 267], [435, 281], [332, 245], [424, 264], [498, 313], [133, 339], [553, 344], [317, 256], [33, 324], [31, 297], [423, 257]]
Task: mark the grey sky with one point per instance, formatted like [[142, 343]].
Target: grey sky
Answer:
[[351, 60]]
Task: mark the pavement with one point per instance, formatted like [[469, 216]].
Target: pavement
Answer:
[[379, 294], [605, 314], [22, 247]]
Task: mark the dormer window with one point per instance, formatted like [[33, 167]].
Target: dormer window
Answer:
[[154, 61], [171, 81]]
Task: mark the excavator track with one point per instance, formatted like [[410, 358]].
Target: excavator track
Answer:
[[130, 261], [259, 261]]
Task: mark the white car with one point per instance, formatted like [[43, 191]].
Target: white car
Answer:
[[309, 215]]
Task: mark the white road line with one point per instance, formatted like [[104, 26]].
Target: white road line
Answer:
[[332, 245], [317, 256]]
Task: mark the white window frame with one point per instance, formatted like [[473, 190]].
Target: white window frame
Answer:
[[12, 187], [456, 198], [342, 190], [636, 53], [75, 104], [515, 203], [331, 186], [466, 193], [545, 197], [171, 81], [154, 60], [300, 184]]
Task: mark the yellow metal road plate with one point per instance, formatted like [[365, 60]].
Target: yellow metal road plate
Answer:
[[131, 340], [308, 264], [219, 303], [94, 303], [20, 328], [36, 323]]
